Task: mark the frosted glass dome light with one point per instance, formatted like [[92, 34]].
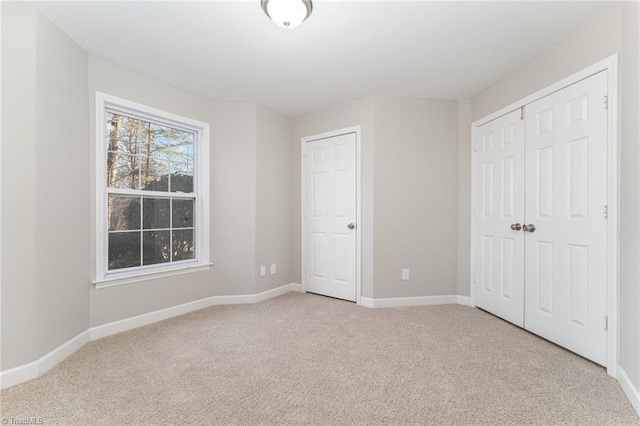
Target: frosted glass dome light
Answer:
[[287, 13]]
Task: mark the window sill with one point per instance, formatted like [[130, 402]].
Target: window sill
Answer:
[[116, 280]]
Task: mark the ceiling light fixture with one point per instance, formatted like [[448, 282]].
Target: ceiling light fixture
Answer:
[[287, 13]]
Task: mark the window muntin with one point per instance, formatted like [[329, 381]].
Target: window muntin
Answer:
[[152, 202], [144, 158]]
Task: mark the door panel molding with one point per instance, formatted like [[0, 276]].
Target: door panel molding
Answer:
[[500, 281], [565, 279], [609, 64], [303, 220]]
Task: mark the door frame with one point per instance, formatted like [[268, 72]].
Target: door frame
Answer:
[[609, 64], [303, 153]]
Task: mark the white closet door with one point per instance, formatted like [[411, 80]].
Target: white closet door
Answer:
[[500, 212], [566, 178], [330, 216]]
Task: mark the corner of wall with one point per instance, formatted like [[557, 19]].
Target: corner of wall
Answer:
[[19, 327], [464, 198], [273, 199], [629, 154]]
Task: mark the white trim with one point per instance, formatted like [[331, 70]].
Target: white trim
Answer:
[[612, 223], [115, 327], [278, 291], [367, 302], [201, 189], [609, 64], [127, 324], [603, 65], [632, 393], [179, 269], [57, 355], [37, 368], [464, 301], [358, 131], [394, 302], [18, 375]]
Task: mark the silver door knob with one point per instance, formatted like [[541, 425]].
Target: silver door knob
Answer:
[[351, 226], [516, 226], [529, 228]]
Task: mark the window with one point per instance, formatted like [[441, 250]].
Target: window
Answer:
[[152, 192]]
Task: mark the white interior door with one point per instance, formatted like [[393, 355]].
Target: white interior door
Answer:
[[330, 216], [566, 195], [499, 211]]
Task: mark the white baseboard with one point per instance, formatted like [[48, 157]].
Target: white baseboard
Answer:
[[278, 291], [37, 368], [174, 311], [632, 393], [464, 300], [127, 324], [367, 302], [394, 302], [57, 355], [18, 375]]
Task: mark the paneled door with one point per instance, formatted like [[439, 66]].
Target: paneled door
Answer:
[[541, 211], [500, 213], [566, 234], [330, 216]]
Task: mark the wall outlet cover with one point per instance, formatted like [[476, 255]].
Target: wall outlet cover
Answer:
[[405, 275]]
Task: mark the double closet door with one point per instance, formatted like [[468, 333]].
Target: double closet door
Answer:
[[541, 235]]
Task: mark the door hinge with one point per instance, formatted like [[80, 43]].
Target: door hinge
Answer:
[[606, 102], [475, 147], [605, 323], [474, 278], [522, 112], [605, 212]]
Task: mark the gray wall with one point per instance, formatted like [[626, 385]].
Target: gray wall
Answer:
[[415, 197], [116, 303], [233, 193], [593, 43], [409, 158], [629, 144], [464, 197], [62, 189], [597, 41], [355, 113], [19, 292], [45, 165], [273, 191], [413, 152], [615, 32], [250, 181], [48, 161]]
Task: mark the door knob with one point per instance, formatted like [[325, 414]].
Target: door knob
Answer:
[[529, 228], [516, 226], [351, 226]]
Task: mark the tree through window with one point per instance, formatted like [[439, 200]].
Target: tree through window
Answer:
[[152, 201]]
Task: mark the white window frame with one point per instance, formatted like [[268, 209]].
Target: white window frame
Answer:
[[106, 278]]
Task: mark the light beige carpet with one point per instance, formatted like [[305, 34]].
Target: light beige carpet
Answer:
[[306, 359]]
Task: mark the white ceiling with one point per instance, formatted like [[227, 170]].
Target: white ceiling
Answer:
[[231, 51]]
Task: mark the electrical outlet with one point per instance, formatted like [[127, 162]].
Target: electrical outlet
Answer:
[[263, 271], [405, 275], [273, 268]]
